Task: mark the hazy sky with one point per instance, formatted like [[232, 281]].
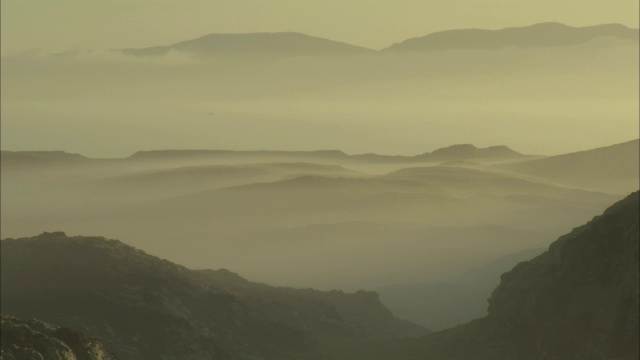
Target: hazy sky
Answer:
[[63, 24]]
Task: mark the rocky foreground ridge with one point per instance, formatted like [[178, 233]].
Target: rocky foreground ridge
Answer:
[[142, 307], [577, 301], [33, 339]]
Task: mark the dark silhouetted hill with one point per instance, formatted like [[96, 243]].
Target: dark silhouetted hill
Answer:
[[578, 300], [142, 307], [35, 159], [14, 160], [281, 44], [537, 35]]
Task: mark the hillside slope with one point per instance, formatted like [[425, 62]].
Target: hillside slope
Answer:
[[612, 169], [577, 301], [142, 307]]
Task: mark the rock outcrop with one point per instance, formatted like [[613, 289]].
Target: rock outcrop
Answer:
[[33, 339]]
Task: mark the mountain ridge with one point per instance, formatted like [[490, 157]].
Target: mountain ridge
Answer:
[[271, 44], [125, 297], [576, 301], [537, 35], [294, 44]]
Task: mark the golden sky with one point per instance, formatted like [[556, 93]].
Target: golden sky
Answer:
[[65, 24]]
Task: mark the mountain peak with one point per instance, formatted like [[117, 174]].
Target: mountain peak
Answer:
[[469, 151], [269, 44]]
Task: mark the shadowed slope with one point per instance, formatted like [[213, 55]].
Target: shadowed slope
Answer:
[[613, 168], [578, 300], [142, 307]]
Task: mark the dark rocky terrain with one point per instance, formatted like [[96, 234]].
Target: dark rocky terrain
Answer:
[[33, 339], [142, 307], [578, 300]]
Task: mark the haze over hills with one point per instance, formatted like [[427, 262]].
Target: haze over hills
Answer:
[[291, 44], [373, 192], [447, 303], [613, 168], [537, 35], [498, 153], [424, 221], [142, 307], [310, 102], [470, 152], [302, 208], [578, 300]]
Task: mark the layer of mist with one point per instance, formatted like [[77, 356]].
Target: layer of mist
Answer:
[[423, 171], [541, 100], [327, 219]]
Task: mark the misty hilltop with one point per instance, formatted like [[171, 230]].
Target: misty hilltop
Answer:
[[280, 44], [612, 168], [469, 152], [435, 213], [538, 35]]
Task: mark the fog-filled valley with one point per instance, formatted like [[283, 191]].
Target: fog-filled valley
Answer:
[[322, 219], [284, 196]]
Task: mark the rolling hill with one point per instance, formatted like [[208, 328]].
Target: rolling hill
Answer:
[[612, 169], [578, 300]]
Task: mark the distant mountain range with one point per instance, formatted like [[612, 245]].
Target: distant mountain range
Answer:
[[291, 44], [538, 35], [281, 44], [26, 159], [294, 207], [578, 300]]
